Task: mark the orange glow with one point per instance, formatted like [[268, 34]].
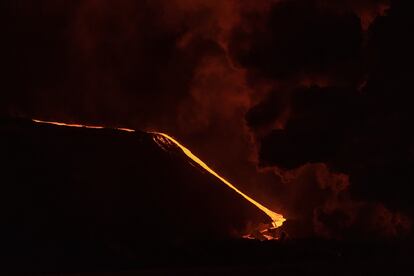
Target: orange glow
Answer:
[[126, 129], [277, 219], [79, 125], [68, 125], [164, 139]]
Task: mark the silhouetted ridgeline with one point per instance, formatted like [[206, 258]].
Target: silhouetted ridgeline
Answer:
[[73, 196]]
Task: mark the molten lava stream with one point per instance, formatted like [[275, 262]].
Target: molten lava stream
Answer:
[[164, 139], [277, 219]]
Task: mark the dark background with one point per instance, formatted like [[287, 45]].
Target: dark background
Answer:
[[304, 104]]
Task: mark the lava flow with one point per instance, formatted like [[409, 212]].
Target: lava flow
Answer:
[[78, 125], [164, 139], [277, 219]]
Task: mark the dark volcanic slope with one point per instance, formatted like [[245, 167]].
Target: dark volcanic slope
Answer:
[[89, 195]]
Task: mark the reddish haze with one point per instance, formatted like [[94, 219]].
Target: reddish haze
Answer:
[[268, 91]]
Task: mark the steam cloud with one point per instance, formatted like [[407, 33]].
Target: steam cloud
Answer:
[[315, 92]]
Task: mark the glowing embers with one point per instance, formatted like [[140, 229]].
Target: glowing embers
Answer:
[[163, 140], [265, 232]]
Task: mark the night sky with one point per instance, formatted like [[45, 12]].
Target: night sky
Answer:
[[305, 104]]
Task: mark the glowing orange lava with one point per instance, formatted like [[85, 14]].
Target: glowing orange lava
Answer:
[[162, 138], [78, 125], [277, 219]]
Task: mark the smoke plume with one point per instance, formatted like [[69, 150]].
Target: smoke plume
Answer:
[[304, 104]]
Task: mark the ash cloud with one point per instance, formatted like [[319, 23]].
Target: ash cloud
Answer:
[[299, 37], [356, 123]]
